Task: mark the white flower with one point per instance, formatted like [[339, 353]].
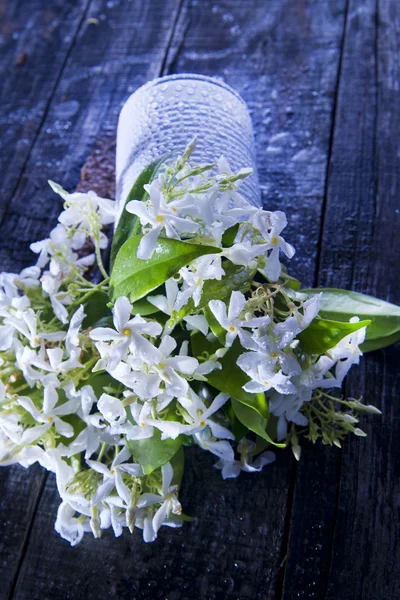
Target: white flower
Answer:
[[26, 325], [167, 305], [167, 371], [70, 527], [231, 323], [72, 337], [48, 416], [168, 500], [263, 375], [129, 333], [270, 225], [194, 276], [51, 286], [347, 352], [246, 463], [244, 253], [269, 352], [89, 439], [159, 215], [287, 330], [197, 418], [140, 414], [112, 477], [230, 198], [220, 448], [87, 212], [112, 409]]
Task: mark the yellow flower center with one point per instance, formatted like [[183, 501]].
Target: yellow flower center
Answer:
[[232, 328], [126, 331], [160, 219], [202, 423], [274, 240]]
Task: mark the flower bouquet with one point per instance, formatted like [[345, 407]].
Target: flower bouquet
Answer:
[[191, 332]]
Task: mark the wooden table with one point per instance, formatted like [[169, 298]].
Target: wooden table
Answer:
[[322, 80]]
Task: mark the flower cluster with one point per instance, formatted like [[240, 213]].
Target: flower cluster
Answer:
[[106, 388]]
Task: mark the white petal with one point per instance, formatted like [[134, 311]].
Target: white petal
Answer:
[[216, 404], [218, 309], [148, 243], [63, 428], [148, 500], [122, 489], [167, 475], [160, 516], [236, 305], [50, 398], [121, 313], [219, 431]]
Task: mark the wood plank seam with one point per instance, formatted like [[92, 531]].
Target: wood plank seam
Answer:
[[14, 579], [281, 582], [163, 69], [165, 64], [177, 40], [331, 141], [21, 177]]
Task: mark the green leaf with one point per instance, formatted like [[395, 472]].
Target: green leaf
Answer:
[[272, 431], [144, 308], [128, 223], [100, 381], [229, 236], [134, 277], [214, 325], [178, 465], [341, 305], [95, 309], [322, 334], [230, 379], [152, 453], [253, 421], [236, 278]]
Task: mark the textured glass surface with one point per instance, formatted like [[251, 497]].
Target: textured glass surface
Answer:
[[165, 114]]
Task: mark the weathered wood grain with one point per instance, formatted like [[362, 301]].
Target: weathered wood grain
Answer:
[[344, 527], [285, 63], [68, 123], [245, 562], [284, 59], [30, 34]]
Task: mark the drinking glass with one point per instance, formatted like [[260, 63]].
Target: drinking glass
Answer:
[[165, 114]]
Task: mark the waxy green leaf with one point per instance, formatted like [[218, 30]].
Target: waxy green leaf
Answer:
[[152, 453], [341, 305], [230, 379], [135, 278], [229, 236], [323, 334], [214, 325], [253, 421], [96, 308], [128, 223]]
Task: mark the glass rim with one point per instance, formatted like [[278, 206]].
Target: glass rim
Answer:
[[192, 77]]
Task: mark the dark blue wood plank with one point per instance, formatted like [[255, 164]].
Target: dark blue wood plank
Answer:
[[344, 529], [284, 60]]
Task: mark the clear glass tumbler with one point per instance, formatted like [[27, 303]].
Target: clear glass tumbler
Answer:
[[165, 114]]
